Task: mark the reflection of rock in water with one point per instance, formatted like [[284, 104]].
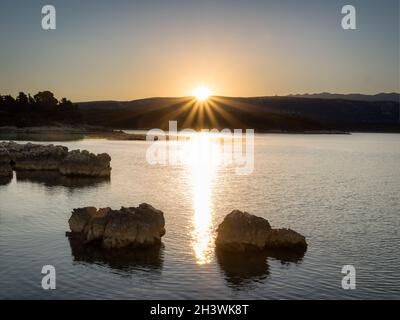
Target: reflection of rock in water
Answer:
[[54, 178], [242, 269], [245, 268], [286, 256], [120, 259]]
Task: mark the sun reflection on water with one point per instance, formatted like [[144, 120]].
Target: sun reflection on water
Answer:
[[203, 158]]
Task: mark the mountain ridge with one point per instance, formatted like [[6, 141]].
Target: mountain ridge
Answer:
[[383, 96]]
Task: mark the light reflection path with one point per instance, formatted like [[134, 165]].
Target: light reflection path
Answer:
[[202, 156]]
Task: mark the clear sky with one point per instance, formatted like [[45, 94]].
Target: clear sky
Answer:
[[123, 50]]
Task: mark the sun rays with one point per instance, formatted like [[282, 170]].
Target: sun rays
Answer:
[[215, 112]]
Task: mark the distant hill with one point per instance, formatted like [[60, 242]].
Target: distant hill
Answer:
[[148, 103], [317, 112], [288, 113], [353, 96]]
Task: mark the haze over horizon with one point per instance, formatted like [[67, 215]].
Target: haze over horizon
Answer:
[[127, 50]]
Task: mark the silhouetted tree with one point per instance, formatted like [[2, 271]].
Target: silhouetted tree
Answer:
[[22, 99], [65, 103], [46, 99], [41, 109], [9, 101], [31, 100]]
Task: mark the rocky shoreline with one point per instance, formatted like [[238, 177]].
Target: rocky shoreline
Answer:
[[36, 157]]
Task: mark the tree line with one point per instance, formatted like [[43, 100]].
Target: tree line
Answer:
[[40, 109]]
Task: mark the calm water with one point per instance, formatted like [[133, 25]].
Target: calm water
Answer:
[[342, 192]]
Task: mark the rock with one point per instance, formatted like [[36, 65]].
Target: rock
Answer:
[[80, 218], [285, 239], [84, 163], [35, 156], [96, 228], [50, 157], [241, 231], [128, 227], [5, 163]]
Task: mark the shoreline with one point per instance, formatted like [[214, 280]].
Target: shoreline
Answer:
[[74, 133], [66, 133]]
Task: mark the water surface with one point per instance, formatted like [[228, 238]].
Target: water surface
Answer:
[[341, 192]]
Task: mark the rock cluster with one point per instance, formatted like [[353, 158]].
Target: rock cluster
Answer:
[[141, 226], [241, 231], [50, 157]]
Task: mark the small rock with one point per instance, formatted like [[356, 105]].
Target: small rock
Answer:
[[241, 231]]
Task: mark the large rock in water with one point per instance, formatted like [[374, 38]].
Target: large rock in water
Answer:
[[35, 156], [141, 226], [84, 163], [241, 231]]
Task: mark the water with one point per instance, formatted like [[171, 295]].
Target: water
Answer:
[[340, 191]]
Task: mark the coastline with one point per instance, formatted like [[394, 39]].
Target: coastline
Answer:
[[68, 133], [74, 133], [65, 133]]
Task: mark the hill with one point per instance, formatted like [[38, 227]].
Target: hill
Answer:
[[260, 113]]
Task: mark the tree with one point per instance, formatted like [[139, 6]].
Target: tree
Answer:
[[41, 109], [31, 100], [46, 99], [8, 101], [22, 99], [65, 103]]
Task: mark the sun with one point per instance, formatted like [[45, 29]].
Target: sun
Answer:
[[201, 93]]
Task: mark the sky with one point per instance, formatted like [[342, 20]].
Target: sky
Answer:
[[125, 50]]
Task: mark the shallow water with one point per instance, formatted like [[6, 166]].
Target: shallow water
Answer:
[[341, 191]]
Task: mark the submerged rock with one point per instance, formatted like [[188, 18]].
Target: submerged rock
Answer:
[[141, 226], [84, 163], [241, 231]]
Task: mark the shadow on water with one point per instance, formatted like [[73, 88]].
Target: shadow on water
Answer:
[[243, 270], [55, 179], [124, 260]]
